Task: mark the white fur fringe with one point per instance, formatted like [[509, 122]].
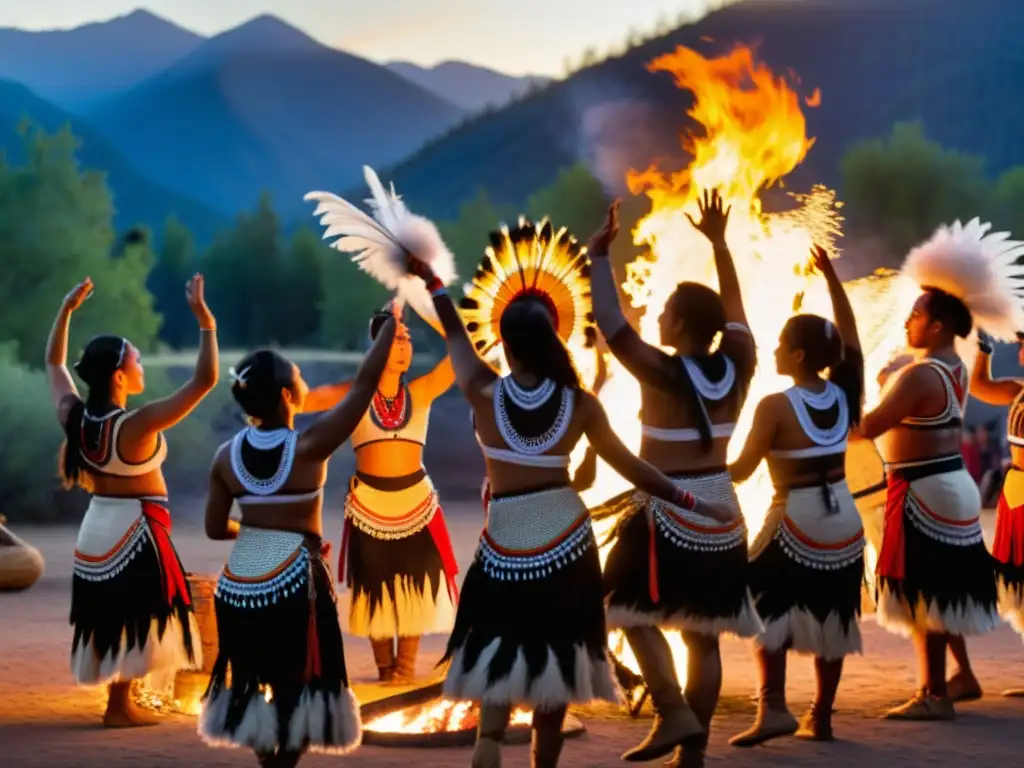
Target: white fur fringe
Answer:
[[160, 655], [258, 728], [745, 624], [1011, 606], [806, 634], [895, 615], [593, 681]]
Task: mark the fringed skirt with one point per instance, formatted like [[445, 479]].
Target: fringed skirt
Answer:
[[280, 644], [530, 628], [397, 560], [806, 572], [675, 569], [1008, 549], [934, 573], [131, 609]]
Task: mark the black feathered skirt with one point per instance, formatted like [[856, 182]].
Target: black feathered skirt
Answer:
[[530, 628], [806, 572], [397, 560], [934, 572], [676, 569], [280, 642], [131, 608]]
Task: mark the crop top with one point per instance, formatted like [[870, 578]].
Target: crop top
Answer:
[[530, 451], [105, 458], [268, 490], [398, 418]]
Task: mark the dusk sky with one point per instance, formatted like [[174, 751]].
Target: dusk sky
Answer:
[[514, 36]]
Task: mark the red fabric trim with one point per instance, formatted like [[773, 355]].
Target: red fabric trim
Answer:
[[439, 533], [313, 662], [892, 558], [652, 562], [1008, 546], [346, 529], [159, 519]]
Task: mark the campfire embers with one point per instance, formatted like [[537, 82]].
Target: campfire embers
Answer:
[[445, 723]]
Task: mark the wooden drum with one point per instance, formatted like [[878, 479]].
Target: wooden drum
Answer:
[[189, 686]]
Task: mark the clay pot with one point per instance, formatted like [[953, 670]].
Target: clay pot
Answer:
[[21, 564]]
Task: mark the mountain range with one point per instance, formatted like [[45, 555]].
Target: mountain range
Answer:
[[218, 120], [200, 126], [953, 65]]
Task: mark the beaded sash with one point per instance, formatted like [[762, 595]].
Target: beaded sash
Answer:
[[265, 566], [689, 529], [532, 536], [391, 514]]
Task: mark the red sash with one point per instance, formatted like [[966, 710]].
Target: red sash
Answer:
[[1008, 546], [159, 519], [891, 560]]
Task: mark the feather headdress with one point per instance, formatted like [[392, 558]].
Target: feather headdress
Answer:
[[531, 260], [980, 269], [381, 243]]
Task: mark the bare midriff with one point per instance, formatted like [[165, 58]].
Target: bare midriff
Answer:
[[389, 458]]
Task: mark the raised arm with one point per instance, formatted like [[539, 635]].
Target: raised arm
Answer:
[[646, 362], [901, 401], [62, 385], [325, 397], [440, 378], [759, 439], [219, 525], [472, 373], [714, 220], [846, 320], [983, 386], [327, 433], [165, 413], [637, 471]]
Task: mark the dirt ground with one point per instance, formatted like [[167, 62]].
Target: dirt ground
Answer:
[[46, 722]]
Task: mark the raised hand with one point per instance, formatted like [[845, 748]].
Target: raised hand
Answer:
[[714, 218], [822, 263], [419, 268], [196, 298], [985, 343], [77, 296], [601, 240]]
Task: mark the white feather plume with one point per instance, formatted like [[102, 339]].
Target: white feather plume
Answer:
[[980, 269], [381, 243]]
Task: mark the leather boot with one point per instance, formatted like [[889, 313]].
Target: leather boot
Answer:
[[545, 748], [489, 735], [674, 721], [770, 723], [405, 661], [384, 658]]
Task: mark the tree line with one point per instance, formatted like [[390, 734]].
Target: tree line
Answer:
[[273, 285]]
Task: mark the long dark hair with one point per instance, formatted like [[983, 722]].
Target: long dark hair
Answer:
[[529, 334], [703, 317], [259, 378], [101, 358], [823, 350]]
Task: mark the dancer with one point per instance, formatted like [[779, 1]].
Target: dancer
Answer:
[[935, 579], [401, 565], [530, 628], [807, 563], [131, 608], [1008, 546], [277, 622], [690, 403]]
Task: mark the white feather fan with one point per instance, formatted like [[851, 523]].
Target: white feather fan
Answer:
[[980, 269], [382, 243]]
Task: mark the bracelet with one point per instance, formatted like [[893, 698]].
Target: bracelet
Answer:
[[685, 500], [442, 291], [435, 284], [208, 330]]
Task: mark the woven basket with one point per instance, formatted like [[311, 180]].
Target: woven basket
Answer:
[[21, 564], [190, 685]]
